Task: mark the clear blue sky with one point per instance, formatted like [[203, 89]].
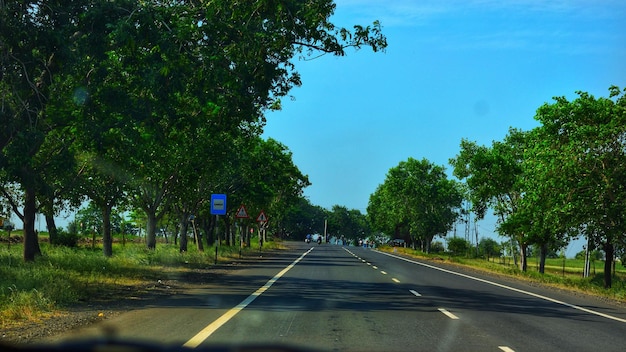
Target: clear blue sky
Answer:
[[453, 69]]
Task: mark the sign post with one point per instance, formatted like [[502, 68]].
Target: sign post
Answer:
[[242, 213], [218, 207], [262, 220]]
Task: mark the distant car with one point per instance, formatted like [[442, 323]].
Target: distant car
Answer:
[[398, 242]]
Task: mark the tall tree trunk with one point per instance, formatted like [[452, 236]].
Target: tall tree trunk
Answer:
[[53, 232], [523, 258], [608, 263], [228, 231], [107, 239], [542, 257], [196, 235], [208, 225], [151, 230], [183, 233], [31, 238]]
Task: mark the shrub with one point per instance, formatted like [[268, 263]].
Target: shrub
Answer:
[[67, 239], [458, 246]]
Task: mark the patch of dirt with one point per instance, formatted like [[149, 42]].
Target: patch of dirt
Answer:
[[107, 305]]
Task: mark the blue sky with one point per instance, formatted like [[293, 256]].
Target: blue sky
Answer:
[[453, 69]]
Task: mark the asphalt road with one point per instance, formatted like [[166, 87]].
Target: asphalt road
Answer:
[[335, 298]]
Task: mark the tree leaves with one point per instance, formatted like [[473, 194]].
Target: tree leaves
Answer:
[[416, 197]]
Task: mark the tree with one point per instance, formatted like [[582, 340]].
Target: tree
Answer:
[[154, 79], [489, 248], [347, 224], [458, 246], [416, 195], [300, 219], [493, 177], [579, 162], [214, 66], [34, 53], [382, 218]]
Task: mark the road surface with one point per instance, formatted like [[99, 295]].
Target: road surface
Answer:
[[334, 298]]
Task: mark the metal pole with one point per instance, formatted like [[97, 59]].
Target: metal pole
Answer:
[[217, 237]]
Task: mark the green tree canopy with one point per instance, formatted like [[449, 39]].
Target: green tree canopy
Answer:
[[579, 163], [418, 196]]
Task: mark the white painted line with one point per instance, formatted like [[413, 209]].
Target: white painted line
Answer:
[[370, 264], [211, 328], [586, 310], [383, 272], [450, 315], [506, 349], [363, 260], [395, 280], [415, 293], [374, 267]]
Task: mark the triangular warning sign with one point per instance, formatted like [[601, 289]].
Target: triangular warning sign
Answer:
[[262, 217], [242, 213]]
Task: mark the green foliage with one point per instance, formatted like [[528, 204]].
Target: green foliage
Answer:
[[493, 177], [489, 248], [416, 199], [124, 101], [67, 239], [594, 255], [347, 224], [437, 247], [576, 168], [458, 246]]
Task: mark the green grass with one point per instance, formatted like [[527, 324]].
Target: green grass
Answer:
[[63, 276], [569, 278]]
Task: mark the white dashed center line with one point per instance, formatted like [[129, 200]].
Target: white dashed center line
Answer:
[[450, 315]]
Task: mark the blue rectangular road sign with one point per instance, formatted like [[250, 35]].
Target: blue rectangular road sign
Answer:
[[218, 204]]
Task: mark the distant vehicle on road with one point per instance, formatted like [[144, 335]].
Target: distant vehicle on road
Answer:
[[398, 242], [316, 237]]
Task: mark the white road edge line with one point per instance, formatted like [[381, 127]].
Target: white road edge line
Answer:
[[211, 328], [450, 315], [511, 288], [506, 349], [415, 293]]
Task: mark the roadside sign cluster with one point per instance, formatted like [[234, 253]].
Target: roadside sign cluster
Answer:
[[242, 213], [218, 207]]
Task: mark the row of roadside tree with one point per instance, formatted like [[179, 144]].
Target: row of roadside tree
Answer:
[[153, 105], [557, 182]]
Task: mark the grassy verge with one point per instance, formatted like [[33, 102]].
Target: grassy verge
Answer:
[[568, 276], [63, 276]]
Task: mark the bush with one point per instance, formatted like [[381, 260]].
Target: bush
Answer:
[[67, 239], [437, 247], [458, 246]]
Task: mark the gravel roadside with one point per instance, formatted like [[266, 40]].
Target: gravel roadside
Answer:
[[108, 305]]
